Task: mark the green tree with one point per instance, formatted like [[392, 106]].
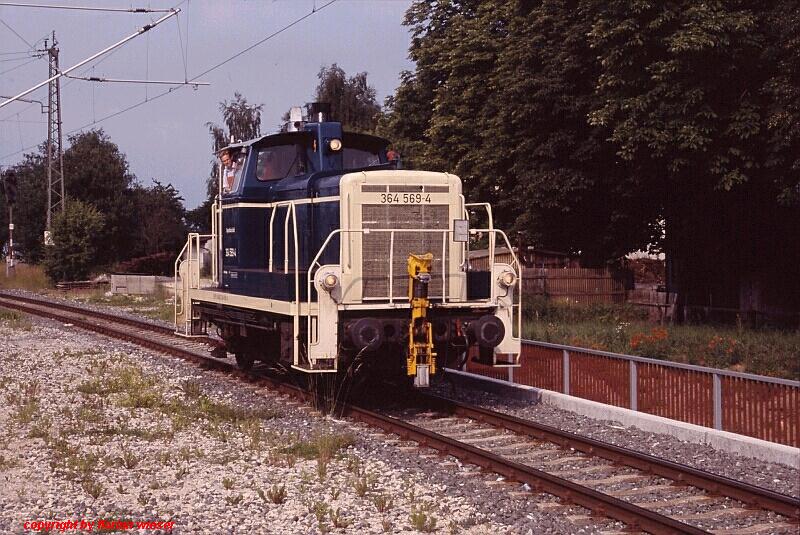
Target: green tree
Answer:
[[29, 211], [161, 225], [500, 97], [75, 250], [352, 99], [701, 102], [97, 172]]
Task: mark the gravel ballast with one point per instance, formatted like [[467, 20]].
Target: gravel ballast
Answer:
[[100, 429]]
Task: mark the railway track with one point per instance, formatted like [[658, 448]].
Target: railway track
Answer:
[[606, 479]]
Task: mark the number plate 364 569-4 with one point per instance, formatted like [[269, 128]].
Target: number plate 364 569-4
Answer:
[[405, 198]]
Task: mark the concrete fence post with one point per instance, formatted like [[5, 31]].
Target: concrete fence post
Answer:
[[717, 401], [566, 372], [634, 391], [510, 375]]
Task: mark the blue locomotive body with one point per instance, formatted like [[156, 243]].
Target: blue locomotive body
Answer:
[[314, 173], [324, 252]]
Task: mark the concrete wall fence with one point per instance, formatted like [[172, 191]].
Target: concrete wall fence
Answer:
[[753, 405]]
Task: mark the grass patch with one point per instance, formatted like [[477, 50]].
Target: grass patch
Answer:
[[155, 306], [25, 403], [26, 277], [321, 446], [6, 462], [14, 320], [624, 329]]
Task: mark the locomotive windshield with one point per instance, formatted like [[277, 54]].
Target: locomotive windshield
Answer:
[[280, 161], [361, 150], [354, 158]]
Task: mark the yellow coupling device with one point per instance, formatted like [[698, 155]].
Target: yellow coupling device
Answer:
[[421, 361]]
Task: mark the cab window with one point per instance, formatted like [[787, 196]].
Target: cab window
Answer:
[[353, 158], [232, 175], [280, 161]]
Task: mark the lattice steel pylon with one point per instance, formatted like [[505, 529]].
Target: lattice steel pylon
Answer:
[[55, 154]]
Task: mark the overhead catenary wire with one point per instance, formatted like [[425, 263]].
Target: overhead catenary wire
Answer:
[[4, 23], [134, 81], [177, 87], [139, 32], [87, 8], [19, 66], [210, 69]]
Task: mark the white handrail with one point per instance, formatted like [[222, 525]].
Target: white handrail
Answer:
[[391, 267]]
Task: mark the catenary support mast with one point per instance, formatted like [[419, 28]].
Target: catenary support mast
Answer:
[[55, 154]]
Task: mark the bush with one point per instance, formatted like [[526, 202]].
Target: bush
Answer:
[[73, 254]]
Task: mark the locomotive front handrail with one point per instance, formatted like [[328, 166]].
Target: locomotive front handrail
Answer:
[[191, 249], [315, 265]]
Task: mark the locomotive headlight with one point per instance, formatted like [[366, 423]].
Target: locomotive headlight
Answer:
[[335, 144], [330, 281], [508, 278]]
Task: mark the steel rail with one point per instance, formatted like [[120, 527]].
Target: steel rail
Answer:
[[107, 316], [634, 516], [83, 319], [601, 504], [716, 484]]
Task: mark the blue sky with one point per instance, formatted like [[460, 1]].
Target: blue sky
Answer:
[[167, 138]]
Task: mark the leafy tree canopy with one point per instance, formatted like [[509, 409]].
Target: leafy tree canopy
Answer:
[[72, 257], [352, 99]]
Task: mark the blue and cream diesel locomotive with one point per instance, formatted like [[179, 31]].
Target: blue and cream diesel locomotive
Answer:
[[326, 256]]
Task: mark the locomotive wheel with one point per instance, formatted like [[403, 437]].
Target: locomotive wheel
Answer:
[[244, 361]]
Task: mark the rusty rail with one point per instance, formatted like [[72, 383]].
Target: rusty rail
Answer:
[[713, 483], [634, 516]]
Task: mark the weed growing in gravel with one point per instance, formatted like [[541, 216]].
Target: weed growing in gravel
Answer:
[[251, 428], [338, 520], [165, 457], [191, 388], [387, 526], [186, 453], [115, 431], [92, 488], [182, 471], [26, 403], [227, 483], [363, 485], [128, 459], [41, 428], [277, 493], [89, 414], [321, 446], [14, 320], [6, 463], [354, 465], [335, 492], [234, 500], [143, 498], [422, 521], [322, 470], [319, 509], [382, 503]]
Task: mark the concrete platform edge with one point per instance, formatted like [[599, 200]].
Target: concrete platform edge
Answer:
[[720, 440]]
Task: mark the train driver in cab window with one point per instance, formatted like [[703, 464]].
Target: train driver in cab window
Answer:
[[231, 170]]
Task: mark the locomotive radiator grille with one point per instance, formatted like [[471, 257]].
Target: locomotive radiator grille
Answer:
[[375, 246]]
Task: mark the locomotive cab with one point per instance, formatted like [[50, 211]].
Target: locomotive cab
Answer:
[[327, 257]]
